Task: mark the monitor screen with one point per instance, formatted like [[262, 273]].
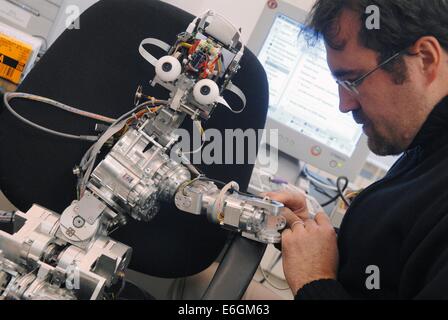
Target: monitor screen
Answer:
[[303, 94]]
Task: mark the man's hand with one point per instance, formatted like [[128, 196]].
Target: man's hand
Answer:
[[309, 251], [294, 201], [309, 246]]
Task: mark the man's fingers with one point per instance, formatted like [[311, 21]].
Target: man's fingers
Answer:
[[289, 216], [286, 235], [292, 221], [294, 201], [303, 213], [322, 219]]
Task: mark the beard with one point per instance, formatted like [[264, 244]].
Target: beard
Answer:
[[378, 143], [382, 148]]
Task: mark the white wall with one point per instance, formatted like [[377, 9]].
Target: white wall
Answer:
[[243, 13]]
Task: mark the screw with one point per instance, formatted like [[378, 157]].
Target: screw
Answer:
[[78, 222]]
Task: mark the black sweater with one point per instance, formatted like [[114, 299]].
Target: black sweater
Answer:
[[400, 225]]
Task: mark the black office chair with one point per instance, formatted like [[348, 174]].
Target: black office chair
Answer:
[[98, 68]]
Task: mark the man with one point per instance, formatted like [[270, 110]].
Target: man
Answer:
[[393, 243]]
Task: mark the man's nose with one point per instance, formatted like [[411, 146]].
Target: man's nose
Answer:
[[347, 102]]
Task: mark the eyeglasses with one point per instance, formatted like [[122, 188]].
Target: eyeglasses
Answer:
[[351, 86]]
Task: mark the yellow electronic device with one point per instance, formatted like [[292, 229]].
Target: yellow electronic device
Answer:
[[14, 55]]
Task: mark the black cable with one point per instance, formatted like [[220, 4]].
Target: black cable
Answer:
[[340, 193], [326, 204]]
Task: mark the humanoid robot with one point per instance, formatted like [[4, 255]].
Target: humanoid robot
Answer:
[[72, 256]]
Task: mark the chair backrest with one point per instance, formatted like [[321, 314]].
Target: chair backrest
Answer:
[[98, 68]]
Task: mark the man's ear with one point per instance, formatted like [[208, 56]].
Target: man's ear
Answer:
[[430, 52]]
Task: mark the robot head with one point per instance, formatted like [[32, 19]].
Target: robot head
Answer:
[[200, 65]]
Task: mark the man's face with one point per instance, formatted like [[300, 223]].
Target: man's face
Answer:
[[391, 113]]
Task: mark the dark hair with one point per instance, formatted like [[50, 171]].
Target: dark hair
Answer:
[[403, 22]]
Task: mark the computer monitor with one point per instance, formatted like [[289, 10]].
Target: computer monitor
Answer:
[[304, 99]]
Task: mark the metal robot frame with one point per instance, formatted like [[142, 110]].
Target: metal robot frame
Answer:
[[71, 256]]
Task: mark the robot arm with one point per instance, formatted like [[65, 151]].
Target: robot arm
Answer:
[[133, 180], [140, 172], [257, 219]]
